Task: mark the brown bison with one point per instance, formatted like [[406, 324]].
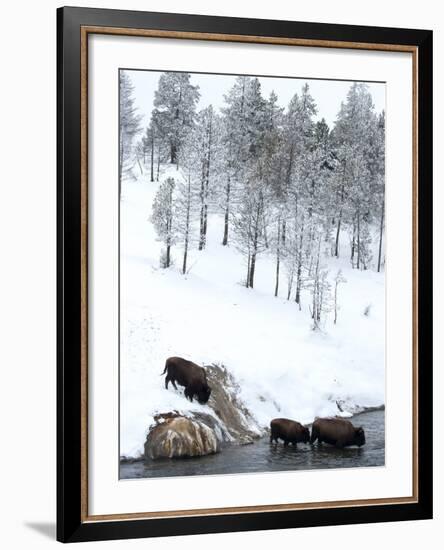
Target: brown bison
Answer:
[[187, 374], [337, 431], [289, 431]]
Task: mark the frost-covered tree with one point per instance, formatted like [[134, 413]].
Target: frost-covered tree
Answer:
[[162, 217], [293, 256], [155, 147], [355, 151], [249, 230], [322, 136], [187, 199], [300, 177], [234, 146], [272, 171], [129, 125], [298, 139], [360, 207], [286, 184], [206, 139], [377, 167], [250, 214], [339, 279], [319, 286], [175, 102], [148, 144]]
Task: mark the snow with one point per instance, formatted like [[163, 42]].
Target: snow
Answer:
[[283, 367]]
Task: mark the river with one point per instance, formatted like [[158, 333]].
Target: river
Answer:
[[261, 456]]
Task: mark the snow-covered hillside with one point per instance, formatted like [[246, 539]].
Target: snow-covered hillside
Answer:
[[283, 367]]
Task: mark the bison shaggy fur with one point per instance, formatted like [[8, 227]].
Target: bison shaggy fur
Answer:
[[337, 431], [187, 374], [289, 431]]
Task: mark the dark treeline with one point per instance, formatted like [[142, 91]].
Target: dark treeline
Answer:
[[284, 182]]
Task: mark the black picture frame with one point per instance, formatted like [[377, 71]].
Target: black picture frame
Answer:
[[71, 523]]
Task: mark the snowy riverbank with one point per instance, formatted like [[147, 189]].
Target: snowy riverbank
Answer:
[[283, 367]]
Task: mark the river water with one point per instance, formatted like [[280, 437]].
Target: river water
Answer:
[[261, 456]]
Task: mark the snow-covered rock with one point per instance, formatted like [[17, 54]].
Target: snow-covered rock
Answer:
[[179, 436], [237, 420], [194, 433]]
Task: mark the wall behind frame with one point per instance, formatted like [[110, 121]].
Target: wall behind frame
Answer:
[[27, 277]]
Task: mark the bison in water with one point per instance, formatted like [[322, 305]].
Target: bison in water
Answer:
[[337, 431], [187, 374], [289, 431]]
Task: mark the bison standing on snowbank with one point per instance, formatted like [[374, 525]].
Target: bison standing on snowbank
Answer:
[[289, 431], [187, 374], [337, 431]]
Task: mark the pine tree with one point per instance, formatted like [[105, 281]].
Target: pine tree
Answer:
[[377, 168], [355, 151], [175, 103], [206, 139], [286, 185], [319, 286], [162, 218], [273, 173], [251, 216], [187, 200], [154, 147], [234, 147], [300, 179], [359, 201], [129, 125]]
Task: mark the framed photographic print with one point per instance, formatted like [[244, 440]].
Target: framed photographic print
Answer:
[[244, 274]]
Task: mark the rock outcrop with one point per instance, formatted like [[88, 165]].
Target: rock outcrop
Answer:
[[228, 407], [189, 433], [175, 436]]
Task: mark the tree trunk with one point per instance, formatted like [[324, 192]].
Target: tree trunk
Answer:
[[173, 153], [207, 183], [204, 198], [252, 269], [202, 206], [298, 285], [168, 256], [185, 255], [358, 241], [187, 228], [278, 259], [140, 166], [247, 282], [290, 286], [255, 243], [337, 234], [169, 227], [381, 230], [313, 313], [158, 162], [265, 232], [340, 212], [299, 269], [316, 314], [227, 212], [353, 244], [152, 156], [205, 223]]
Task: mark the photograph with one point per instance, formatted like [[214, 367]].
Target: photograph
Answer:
[[252, 253]]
